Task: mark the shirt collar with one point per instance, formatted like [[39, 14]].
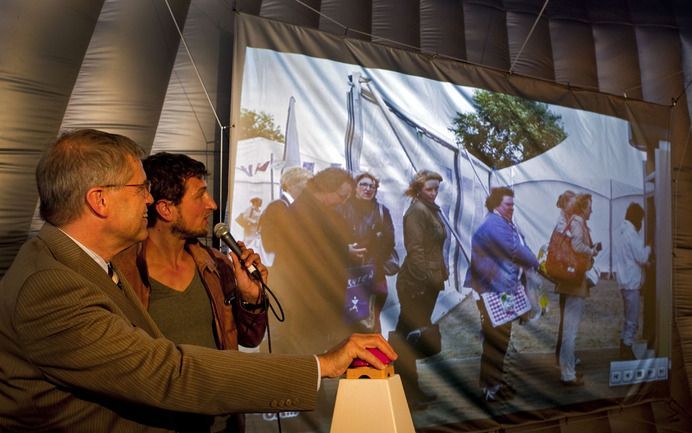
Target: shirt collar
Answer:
[[98, 259], [289, 197]]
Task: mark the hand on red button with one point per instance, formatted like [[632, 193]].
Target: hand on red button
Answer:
[[334, 362], [375, 351]]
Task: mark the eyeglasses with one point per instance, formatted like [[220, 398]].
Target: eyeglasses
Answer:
[[367, 185], [141, 187]]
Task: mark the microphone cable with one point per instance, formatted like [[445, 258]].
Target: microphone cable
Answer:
[[276, 309], [271, 303], [222, 232]]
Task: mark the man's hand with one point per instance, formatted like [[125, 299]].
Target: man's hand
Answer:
[[248, 289], [334, 362]]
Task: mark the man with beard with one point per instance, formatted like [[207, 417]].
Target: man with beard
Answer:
[[190, 290], [79, 353]]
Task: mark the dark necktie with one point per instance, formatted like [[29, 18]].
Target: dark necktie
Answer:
[[113, 275]]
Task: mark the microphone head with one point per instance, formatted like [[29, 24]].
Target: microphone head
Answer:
[[220, 230]]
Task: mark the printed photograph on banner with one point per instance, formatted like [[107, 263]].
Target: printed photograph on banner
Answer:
[[504, 246]]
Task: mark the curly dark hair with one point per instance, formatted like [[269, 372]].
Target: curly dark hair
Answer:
[[167, 173], [495, 197]]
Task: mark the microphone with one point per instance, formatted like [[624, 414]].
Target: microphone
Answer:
[[221, 232]]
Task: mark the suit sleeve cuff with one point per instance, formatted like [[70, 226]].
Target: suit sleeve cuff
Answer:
[[319, 372]]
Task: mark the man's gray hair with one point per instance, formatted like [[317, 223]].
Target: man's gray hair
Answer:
[[77, 161], [293, 176]]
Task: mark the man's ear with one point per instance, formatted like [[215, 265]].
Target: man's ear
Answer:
[[166, 210], [97, 200]]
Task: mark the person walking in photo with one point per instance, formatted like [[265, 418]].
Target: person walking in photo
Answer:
[[499, 256], [314, 273], [249, 220], [631, 257], [420, 280], [373, 232], [575, 291], [274, 222], [565, 202]]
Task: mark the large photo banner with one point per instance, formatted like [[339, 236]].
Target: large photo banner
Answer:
[[504, 245]]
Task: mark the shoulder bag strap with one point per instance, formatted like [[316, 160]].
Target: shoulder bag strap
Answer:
[[567, 224]]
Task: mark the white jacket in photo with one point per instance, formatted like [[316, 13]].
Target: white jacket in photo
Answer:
[[630, 255]]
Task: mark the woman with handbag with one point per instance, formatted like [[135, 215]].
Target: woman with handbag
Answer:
[[421, 278], [565, 202], [499, 257], [575, 290], [373, 239]]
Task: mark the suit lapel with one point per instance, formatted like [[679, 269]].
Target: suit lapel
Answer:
[[72, 256]]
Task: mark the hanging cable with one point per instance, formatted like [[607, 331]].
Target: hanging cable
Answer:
[[533, 27], [222, 128], [373, 38], [194, 65]]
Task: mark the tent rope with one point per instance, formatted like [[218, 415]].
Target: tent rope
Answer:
[[373, 38], [211, 104], [528, 36], [194, 65]]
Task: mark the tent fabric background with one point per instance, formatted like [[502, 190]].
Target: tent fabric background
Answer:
[[119, 65]]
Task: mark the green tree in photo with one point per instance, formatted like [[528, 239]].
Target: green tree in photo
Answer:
[[506, 130], [254, 124]]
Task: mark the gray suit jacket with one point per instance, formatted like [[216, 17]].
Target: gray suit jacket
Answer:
[[80, 354]]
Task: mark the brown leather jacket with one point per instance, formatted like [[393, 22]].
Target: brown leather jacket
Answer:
[[234, 325]]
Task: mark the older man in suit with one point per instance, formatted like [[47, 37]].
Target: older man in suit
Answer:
[[79, 353]]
